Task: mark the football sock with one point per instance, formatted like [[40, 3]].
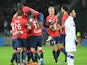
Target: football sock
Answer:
[[36, 56], [24, 56], [70, 59], [41, 53], [13, 57], [63, 50], [18, 57], [55, 56]]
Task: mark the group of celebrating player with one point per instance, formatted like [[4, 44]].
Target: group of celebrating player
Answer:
[[27, 26], [27, 35]]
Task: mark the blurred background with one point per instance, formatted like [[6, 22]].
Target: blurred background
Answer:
[[8, 8]]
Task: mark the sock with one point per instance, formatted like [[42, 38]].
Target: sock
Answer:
[[63, 50], [29, 55], [24, 56], [58, 53], [36, 55], [13, 57], [18, 57], [32, 56], [41, 53], [55, 56], [70, 59], [22, 53]]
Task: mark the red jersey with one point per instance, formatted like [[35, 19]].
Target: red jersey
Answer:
[[26, 9], [14, 29], [35, 31], [49, 20], [21, 27], [65, 16]]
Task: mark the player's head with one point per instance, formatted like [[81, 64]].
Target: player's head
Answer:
[[64, 8], [19, 12], [51, 10], [72, 13], [19, 6], [30, 14]]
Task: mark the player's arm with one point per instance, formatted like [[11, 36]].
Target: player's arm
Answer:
[[62, 26], [15, 15]]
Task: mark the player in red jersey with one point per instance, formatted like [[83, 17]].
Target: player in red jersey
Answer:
[[64, 10], [52, 23], [21, 34], [14, 38], [27, 11], [35, 39]]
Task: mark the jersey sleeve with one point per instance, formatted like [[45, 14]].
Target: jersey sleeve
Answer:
[[48, 21]]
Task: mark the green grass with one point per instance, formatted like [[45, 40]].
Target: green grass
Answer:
[[80, 56]]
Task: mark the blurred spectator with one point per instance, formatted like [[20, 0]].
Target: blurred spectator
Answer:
[[5, 24]]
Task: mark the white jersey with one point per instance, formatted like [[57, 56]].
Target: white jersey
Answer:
[[70, 35]]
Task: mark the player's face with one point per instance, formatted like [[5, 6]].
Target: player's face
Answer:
[[51, 11], [73, 13]]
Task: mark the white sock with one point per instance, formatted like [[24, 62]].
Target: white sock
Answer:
[[70, 59]]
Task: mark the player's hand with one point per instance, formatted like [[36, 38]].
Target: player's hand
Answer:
[[19, 33], [40, 24], [52, 27]]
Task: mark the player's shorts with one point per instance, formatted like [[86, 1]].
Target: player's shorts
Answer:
[[70, 45], [14, 44], [21, 43], [62, 38], [55, 40], [35, 41]]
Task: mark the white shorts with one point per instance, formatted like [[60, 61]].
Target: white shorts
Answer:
[[70, 45]]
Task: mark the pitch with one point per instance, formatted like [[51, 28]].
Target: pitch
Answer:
[[80, 56]]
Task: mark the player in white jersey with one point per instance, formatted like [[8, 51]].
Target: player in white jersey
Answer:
[[70, 39]]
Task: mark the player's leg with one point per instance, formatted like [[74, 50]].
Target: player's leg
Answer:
[[53, 43], [36, 54], [29, 53], [24, 50], [70, 58], [41, 54], [59, 46], [70, 49], [18, 50], [33, 46], [14, 53], [63, 48]]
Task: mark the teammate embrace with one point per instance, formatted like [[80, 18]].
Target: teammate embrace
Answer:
[[27, 35]]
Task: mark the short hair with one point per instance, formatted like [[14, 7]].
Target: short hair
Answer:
[[19, 5], [70, 11], [65, 7]]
